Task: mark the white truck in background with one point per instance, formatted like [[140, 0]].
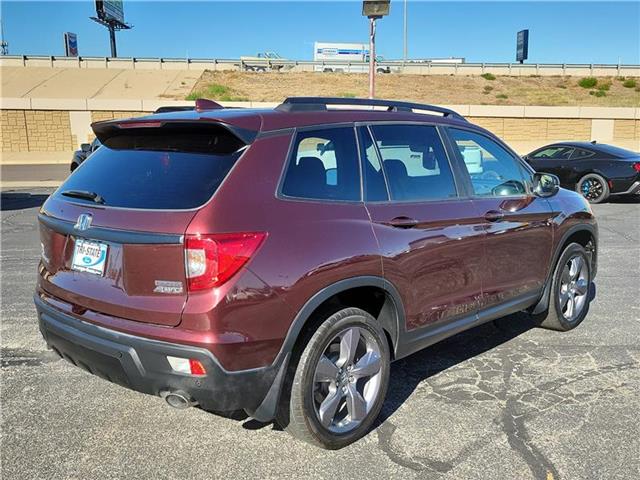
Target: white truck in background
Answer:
[[262, 62], [345, 57]]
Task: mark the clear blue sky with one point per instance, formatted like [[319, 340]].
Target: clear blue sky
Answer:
[[560, 32]]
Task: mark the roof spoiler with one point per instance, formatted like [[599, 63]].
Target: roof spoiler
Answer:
[[307, 104], [106, 130]]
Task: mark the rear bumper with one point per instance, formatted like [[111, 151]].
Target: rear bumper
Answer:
[[140, 363], [633, 189]]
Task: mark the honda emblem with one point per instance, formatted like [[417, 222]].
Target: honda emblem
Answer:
[[84, 222]]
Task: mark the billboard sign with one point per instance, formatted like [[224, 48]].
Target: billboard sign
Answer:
[[70, 44], [110, 10], [522, 46]]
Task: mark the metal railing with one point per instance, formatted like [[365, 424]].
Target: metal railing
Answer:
[[393, 66]]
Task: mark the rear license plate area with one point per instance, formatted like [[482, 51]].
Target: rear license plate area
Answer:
[[89, 256]]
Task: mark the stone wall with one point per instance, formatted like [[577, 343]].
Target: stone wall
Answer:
[[99, 116], [540, 129], [53, 129]]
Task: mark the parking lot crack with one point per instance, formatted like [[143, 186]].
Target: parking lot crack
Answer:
[[513, 426]]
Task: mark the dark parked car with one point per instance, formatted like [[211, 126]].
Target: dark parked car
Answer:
[[278, 260], [595, 170], [81, 155]]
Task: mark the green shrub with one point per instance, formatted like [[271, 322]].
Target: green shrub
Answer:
[[588, 82], [502, 96], [621, 79], [630, 83], [604, 86], [347, 95], [217, 92], [600, 93], [488, 76]]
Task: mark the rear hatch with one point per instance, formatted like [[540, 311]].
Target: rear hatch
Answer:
[[112, 234]]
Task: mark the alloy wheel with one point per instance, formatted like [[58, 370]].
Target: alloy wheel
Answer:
[[592, 189], [347, 380], [574, 287]]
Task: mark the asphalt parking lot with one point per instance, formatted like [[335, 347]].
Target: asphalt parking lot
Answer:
[[503, 401]]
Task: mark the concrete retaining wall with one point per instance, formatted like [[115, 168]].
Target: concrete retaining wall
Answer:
[[37, 130]]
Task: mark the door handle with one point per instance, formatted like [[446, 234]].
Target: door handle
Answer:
[[403, 222], [493, 216]]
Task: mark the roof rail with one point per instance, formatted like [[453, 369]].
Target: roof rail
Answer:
[[306, 104]]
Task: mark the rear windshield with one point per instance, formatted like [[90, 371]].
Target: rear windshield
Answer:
[[617, 151], [137, 172]]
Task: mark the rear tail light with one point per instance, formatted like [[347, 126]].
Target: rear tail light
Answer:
[[211, 260], [636, 167]]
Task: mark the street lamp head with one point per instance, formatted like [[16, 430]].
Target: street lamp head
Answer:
[[375, 8]]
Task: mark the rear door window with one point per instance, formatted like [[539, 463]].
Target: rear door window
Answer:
[[324, 166], [414, 161], [553, 153], [164, 169]]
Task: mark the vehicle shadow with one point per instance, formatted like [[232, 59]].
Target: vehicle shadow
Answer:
[[408, 373], [21, 200], [624, 199]]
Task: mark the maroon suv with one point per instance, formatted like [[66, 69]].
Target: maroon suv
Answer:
[[278, 260]]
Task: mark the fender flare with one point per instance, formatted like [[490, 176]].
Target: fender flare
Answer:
[[393, 324], [543, 304]]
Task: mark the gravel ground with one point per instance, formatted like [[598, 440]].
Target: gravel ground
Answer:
[[501, 401]]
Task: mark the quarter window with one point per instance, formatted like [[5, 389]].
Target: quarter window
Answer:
[[492, 169], [578, 153], [324, 166], [414, 162]]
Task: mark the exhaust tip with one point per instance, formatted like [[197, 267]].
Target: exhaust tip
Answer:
[[177, 399]]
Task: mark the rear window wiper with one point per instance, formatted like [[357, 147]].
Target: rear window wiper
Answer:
[[94, 197]]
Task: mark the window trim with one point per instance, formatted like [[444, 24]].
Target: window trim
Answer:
[[280, 195], [361, 130], [390, 200], [520, 163]]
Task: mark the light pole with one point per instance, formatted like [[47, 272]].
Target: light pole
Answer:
[[404, 34], [373, 9], [372, 56]]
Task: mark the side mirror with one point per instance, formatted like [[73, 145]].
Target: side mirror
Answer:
[[85, 147], [545, 184]]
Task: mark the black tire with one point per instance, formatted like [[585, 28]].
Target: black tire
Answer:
[[298, 411], [554, 318], [593, 187]]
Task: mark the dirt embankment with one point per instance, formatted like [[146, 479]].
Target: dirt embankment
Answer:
[[446, 90]]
